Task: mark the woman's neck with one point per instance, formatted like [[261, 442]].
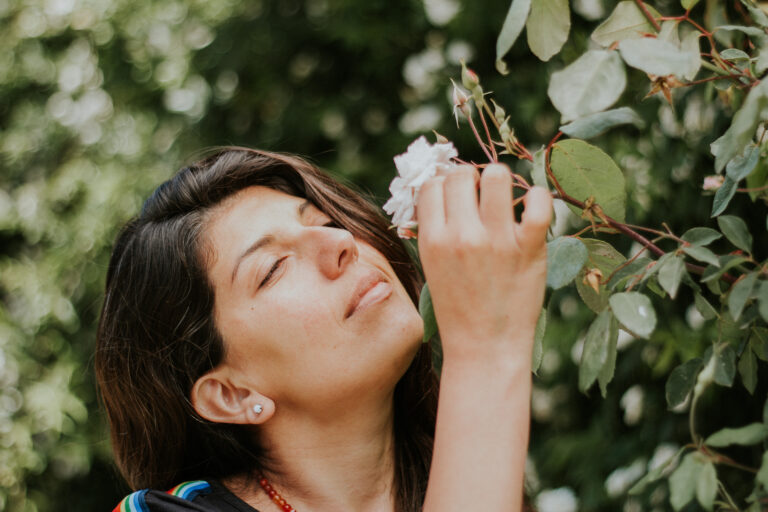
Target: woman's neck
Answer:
[[341, 462]]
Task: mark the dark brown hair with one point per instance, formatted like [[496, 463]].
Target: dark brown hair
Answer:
[[157, 336]]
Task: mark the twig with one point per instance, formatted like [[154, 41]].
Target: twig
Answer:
[[648, 15]]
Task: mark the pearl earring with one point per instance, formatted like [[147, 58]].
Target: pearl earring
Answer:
[[258, 408]]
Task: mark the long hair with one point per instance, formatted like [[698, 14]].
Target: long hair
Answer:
[[157, 334]]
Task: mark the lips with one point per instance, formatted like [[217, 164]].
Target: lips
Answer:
[[365, 284]]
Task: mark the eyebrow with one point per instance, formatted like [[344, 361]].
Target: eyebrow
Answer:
[[264, 241]]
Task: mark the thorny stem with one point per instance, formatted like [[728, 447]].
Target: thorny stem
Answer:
[[488, 134], [479, 139], [719, 458], [756, 189], [548, 168]]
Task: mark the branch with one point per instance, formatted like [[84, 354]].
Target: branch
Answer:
[[634, 235], [648, 15]]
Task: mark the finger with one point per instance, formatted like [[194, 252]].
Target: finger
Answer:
[[532, 230], [496, 197], [461, 196], [430, 210]]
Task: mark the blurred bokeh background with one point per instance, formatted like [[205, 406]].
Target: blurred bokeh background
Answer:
[[101, 100]]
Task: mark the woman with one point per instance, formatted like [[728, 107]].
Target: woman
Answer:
[[259, 332]]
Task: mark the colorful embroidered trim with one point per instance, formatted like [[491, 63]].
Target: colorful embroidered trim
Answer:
[[187, 491], [133, 503]]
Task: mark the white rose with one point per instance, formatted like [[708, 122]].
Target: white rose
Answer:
[[420, 162]]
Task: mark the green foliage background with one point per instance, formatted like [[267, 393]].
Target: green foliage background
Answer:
[[101, 100]]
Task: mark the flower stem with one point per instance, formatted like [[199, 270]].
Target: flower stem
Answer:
[[479, 138], [488, 134]]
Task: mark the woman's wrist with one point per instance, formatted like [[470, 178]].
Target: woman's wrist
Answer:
[[515, 357]]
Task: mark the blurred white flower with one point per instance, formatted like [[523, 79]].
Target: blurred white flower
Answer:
[[441, 12], [561, 499], [621, 479], [632, 403], [713, 182], [420, 162]]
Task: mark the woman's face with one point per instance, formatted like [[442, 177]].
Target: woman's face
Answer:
[[310, 316]]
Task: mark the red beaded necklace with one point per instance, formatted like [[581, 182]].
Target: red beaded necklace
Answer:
[[275, 495]]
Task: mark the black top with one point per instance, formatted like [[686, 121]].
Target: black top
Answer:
[[197, 496]]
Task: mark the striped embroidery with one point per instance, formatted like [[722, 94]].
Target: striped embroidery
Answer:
[[133, 503], [186, 491], [189, 490]]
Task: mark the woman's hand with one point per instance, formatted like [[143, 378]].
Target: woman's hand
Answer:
[[486, 272]]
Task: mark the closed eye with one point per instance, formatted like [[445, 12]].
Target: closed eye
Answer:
[[271, 272]]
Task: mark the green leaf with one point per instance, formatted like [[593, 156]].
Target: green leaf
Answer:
[[706, 485], [705, 308], [727, 262], [661, 58], [758, 340], [743, 126], [427, 314], [742, 165], [605, 258], [596, 124], [653, 474], [671, 273], [733, 54], [681, 382], [758, 179], [690, 47], [723, 196], [702, 254], [688, 4], [565, 257], [725, 365], [669, 32], [510, 31], [626, 21], [743, 436], [632, 270], [748, 369], [635, 312], [736, 231], [762, 300], [590, 84], [701, 236], [758, 16], [740, 293], [538, 340], [609, 368], [602, 333], [756, 33], [547, 27], [682, 482], [762, 474], [585, 171]]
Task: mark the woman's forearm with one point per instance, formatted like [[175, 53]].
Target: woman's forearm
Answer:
[[481, 436]]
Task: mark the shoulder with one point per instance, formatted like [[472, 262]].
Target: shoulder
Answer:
[[181, 498]]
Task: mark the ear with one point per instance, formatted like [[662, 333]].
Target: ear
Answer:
[[216, 398]]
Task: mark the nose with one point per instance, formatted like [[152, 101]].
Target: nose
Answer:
[[337, 250]]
